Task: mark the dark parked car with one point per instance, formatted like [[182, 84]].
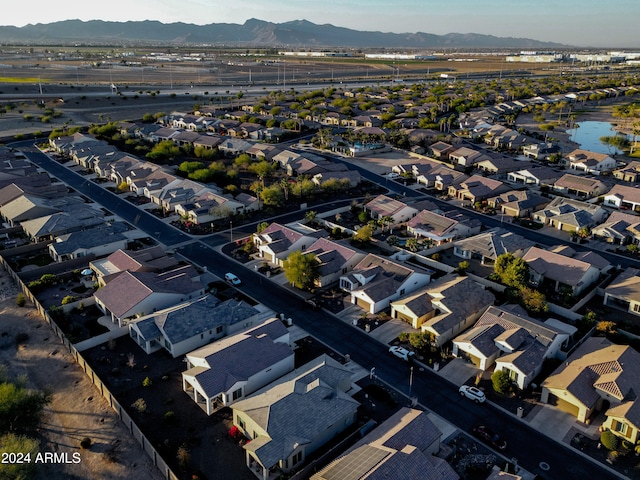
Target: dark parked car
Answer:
[[489, 437], [313, 303]]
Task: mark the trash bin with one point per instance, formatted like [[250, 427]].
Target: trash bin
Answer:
[[520, 412]]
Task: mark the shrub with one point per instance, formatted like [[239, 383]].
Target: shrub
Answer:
[[68, 299], [85, 443], [147, 382], [21, 300], [35, 286], [609, 440], [501, 382], [139, 405], [169, 417], [48, 279]]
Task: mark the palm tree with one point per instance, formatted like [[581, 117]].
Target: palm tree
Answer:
[[412, 244], [310, 216], [284, 184], [385, 221]]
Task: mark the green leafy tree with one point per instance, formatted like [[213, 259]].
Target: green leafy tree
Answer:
[[163, 152], [243, 161], [12, 444], [20, 408], [534, 301], [190, 167], [262, 170], [363, 234], [301, 270], [272, 195], [512, 271], [202, 175], [501, 382]]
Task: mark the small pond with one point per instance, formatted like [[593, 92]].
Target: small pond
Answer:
[[587, 135]]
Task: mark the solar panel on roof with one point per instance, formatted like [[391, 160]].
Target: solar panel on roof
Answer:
[[356, 464]]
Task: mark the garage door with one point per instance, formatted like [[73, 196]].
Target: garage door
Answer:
[[475, 360], [404, 318], [563, 405], [363, 304]]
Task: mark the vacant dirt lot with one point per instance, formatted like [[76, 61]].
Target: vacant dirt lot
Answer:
[[77, 409]]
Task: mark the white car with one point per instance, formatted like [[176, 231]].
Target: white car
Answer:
[[472, 393], [402, 353], [232, 279], [393, 175]]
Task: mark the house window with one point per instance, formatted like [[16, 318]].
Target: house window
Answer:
[[620, 427], [636, 307], [296, 458], [241, 423], [237, 394], [402, 292], [219, 329]]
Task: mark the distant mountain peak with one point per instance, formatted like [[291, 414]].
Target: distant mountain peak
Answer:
[[255, 32]]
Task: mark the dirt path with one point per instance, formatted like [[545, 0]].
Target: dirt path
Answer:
[[77, 409]]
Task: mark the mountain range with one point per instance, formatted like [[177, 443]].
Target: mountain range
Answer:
[[256, 33]]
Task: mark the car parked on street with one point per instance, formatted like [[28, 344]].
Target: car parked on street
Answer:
[[472, 393], [402, 353], [489, 437], [232, 279]]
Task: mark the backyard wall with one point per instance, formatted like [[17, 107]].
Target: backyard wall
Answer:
[[135, 431]]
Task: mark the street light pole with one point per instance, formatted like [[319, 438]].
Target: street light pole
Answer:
[[230, 230], [411, 381]]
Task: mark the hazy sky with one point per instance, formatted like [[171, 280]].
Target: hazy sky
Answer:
[[606, 23]]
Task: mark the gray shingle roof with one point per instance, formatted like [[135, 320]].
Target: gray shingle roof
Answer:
[[297, 409], [239, 362], [189, 319], [93, 237]]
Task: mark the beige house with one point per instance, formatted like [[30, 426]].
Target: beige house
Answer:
[[383, 206], [477, 188], [226, 371], [599, 376], [376, 281], [294, 416], [587, 161], [624, 292], [623, 197], [579, 186], [559, 271], [445, 308], [512, 341]]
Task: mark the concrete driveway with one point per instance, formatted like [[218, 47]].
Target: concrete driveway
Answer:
[[459, 371]]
